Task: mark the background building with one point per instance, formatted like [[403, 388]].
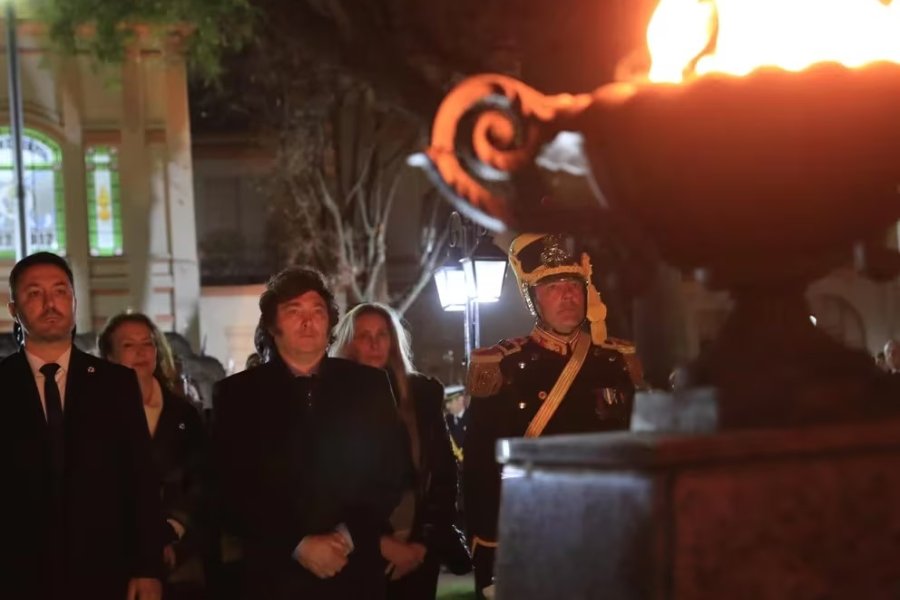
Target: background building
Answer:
[[109, 180]]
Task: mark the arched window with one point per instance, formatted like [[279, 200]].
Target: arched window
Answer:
[[104, 211], [45, 208]]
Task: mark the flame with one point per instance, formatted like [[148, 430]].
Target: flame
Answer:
[[689, 38]]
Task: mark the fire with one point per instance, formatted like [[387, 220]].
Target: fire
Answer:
[[689, 38]]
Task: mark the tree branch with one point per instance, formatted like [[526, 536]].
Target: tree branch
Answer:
[[425, 274], [344, 260]]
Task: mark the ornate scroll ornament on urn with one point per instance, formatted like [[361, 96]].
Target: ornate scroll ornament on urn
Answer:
[[763, 172]]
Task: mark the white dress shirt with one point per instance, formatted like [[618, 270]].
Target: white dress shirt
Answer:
[[36, 363]]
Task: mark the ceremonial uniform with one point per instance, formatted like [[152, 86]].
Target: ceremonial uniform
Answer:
[[457, 426], [542, 384], [509, 383]]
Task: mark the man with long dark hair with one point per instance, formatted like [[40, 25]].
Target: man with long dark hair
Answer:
[[310, 456]]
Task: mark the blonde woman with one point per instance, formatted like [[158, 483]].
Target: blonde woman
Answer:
[[423, 533], [178, 441]]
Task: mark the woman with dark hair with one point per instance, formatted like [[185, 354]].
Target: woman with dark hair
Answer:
[[178, 442], [423, 532]]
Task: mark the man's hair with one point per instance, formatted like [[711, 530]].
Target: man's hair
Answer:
[[400, 354], [262, 342], [33, 260], [288, 284], [165, 371]]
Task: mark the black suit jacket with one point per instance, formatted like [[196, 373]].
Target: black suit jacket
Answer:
[[438, 478], [111, 510], [179, 452], [294, 458]]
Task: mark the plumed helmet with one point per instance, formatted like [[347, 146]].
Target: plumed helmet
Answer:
[[538, 258]]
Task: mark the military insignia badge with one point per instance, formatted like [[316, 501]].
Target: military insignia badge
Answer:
[[606, 400], [553, 253]]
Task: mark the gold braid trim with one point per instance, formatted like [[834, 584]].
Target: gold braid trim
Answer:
[[457, 451], [561, 387]]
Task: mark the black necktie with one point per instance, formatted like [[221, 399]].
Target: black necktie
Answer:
[[54, 422], [55, 518]]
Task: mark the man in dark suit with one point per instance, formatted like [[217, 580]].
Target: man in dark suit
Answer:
[[309, 455], [80, 499]]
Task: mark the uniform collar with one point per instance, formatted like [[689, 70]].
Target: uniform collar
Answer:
[[554, 342]]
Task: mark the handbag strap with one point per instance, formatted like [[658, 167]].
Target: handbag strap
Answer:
[[561, 387]]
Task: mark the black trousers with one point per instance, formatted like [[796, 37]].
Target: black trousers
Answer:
[[483, 564]]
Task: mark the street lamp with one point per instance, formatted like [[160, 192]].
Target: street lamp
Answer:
[[450, 280], [485, 269], [469, 276]]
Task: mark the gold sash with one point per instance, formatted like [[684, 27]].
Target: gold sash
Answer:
[[561, 387]]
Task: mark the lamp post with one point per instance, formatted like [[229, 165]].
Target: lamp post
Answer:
[[16, 124], [450, 280], [470, 276]]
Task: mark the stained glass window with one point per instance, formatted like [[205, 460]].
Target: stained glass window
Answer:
[[104, 209], [45, 209]]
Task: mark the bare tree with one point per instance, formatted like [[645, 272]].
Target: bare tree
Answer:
[[336, 189], [344, 91]]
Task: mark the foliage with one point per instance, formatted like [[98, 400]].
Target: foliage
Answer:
[[107, 28]]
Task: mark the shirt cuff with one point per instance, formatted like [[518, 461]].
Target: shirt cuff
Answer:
[[177, 527], [345, 533]]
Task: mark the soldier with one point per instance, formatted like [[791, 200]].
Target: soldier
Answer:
[[560, 379], [457, 418]]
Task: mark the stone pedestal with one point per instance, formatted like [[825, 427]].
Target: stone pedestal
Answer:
[[765, 514]]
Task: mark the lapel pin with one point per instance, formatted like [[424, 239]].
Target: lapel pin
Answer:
[[90, 369], [181, 426]]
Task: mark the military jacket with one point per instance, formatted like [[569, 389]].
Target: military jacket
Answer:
[[509, 382]]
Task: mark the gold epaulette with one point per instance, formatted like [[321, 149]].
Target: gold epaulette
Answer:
[[629, 353], [484, 377], [619, 345]]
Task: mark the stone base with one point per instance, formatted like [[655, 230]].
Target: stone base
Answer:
[[775, 514]]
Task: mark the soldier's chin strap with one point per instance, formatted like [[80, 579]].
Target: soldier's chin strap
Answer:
[[596, 310]]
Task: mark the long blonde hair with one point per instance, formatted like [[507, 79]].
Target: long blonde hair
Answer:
[[400, 354]]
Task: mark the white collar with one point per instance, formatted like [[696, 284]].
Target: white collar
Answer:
[[36, 362]]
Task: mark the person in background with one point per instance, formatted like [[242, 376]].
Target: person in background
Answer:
[[178, 444], [80, 501], [253, 360], [423, 524], [455, 405]]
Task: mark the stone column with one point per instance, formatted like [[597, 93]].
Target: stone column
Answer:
[[180, 177], [68, 74], [135, 183]]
